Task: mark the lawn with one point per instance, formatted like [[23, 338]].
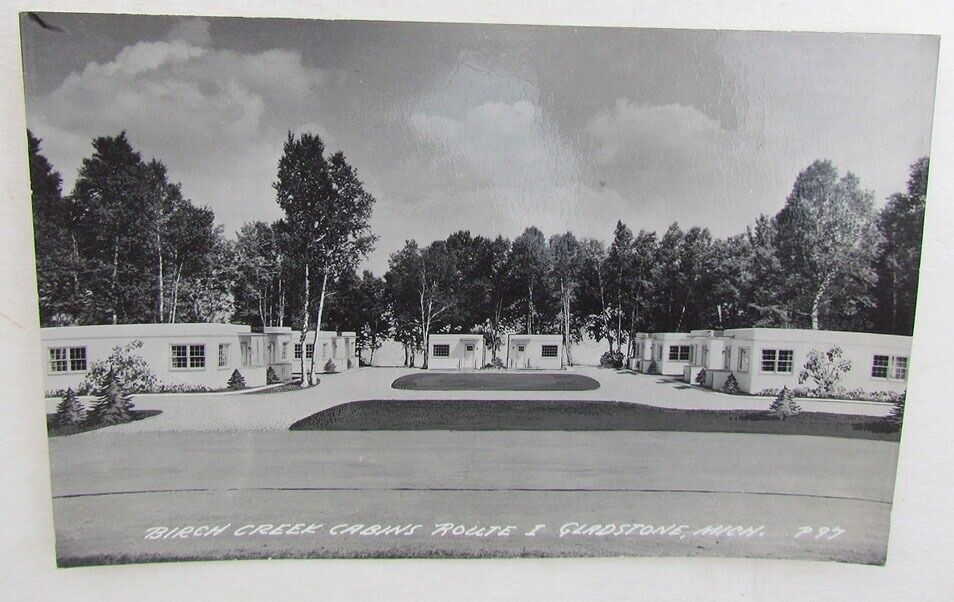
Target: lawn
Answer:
[[495, 381], [508, 415], [59, 431]]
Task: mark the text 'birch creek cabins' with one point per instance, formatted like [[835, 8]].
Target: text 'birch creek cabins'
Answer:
[[203, 356]]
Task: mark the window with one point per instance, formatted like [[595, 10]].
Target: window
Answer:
[[743, 359], [470, 347], [727, 358], [285, 351], [67, 359], [58, 360], [188, 356], [777, 360], [197, 356], [441, 351], [309, 350], [680, 353], [894, 367], [180, 356], [548, 351], [297, 351], [521, 348], [223, 355]]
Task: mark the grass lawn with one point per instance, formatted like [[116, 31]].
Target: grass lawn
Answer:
[[495, 381], [54, 431], [504, 415]]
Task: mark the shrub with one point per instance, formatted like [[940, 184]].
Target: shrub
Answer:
[[236, 381], [113, 406], [350, 363], [611, 359], [330, 367], [494, 364], [701, 377], [653, 368], [70, 411], [270, 377], [784, 405], [896, 417], [825, 370], [127, 367], [731, 385]]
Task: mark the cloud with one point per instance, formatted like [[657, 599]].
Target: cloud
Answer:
[[216, 118], [195, 31]]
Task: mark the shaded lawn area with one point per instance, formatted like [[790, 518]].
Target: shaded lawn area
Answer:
[[503, 415], [54, 431], [495, 381]]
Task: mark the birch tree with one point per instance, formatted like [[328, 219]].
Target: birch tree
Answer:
[[327, 210]]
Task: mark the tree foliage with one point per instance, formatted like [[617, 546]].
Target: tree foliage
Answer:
[[114, 405], [825, 369], [123, 364]]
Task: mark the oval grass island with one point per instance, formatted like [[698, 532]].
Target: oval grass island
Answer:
[[584, 415], [495, 381]]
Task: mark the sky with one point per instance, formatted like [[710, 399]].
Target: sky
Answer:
[[486, 128]]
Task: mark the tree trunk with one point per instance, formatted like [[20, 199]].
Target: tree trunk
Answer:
[[175, 294], [115, 283], [281, 302], [304, 326], [321, 309], [817, 301], [161, 294]]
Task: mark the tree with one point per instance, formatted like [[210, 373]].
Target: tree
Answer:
[[70, 410], [259, 288], [901, 224], [529, 264], [825, 369], [327, 211], [57, 256], [114, 406], [619, 269], [670, 280], [565, 267], [784, 405], [592, 305], [236, 381], [826, 239], [374, 323]]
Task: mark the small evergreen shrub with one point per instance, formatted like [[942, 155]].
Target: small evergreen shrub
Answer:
[[350, 363], [731, 384], [114, 406], [896, 417], [701, 377], [236, 381], [70, 411], [653, 368], [784, 405], [270, 377], [330, 367], [611, 359]]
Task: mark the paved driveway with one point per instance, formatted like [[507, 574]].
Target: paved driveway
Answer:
[[277, 411]]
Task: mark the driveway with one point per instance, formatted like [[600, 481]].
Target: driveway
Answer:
[[277, 411]]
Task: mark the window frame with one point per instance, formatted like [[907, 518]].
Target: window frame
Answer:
[[223, 347], [745, 359], [777, 361], [190, 357], [895, 368], [683, 353], [441, 350], [555, 349]]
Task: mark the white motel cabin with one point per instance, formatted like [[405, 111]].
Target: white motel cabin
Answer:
[[456, 351], [325, 345], [535, 351], [771, 358], [187, 355]]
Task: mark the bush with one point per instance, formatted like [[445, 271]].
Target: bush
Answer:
[[350, 363], [611, 359], [653, 368], [330, 367], [70, 411], [494, 364], [896, 417], [701, 377], [270, 377], [826, 370], [784, 405], [731, 385], [236, 381], [127, 367], [113, 406]]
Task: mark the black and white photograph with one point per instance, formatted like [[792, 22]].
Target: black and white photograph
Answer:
[[356, 289]]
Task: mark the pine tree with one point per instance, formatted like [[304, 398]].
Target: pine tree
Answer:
[[270, 377], [330, 367], [896, 417], [113, 405], [70, 411], [701, 377], [731, 385], [785, 405], [236, 381]]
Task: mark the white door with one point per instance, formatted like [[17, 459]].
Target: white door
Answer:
[[469, 360]]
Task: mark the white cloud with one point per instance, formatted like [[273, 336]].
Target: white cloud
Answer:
[[195, 31], [216, 118]]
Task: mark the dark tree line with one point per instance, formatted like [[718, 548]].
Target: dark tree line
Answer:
[[126, 246]]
